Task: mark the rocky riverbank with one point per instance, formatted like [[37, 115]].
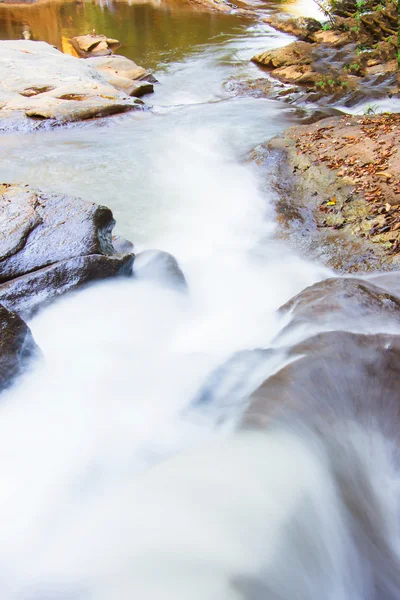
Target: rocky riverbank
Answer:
[[346, 61], [338, 189], [40, 84]]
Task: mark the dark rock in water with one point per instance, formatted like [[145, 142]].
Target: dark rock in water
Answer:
[[160, 267], [340, 302], [333, 373], [40, 229], [28, 293], [17, 347], [52, 243]]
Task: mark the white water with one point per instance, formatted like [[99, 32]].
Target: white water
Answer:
[[110, 489]]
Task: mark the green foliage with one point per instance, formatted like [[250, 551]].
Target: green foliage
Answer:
[[362, 48], [330, 84], [371, 109], [353, 67]]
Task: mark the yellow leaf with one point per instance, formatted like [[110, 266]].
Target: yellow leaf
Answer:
[[332, 201]]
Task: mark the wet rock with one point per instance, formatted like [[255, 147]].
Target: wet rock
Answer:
[[160, 267], [342, 302], [17, 347], [39, 229], [333, 373], [302, 27], [336, 39], [302, 74], [39, 82], [216, 5], [51, 243], [28, 293], [296, 53], [94, 45], [232, 381]]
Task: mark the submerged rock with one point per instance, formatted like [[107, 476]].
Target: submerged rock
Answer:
[[333, 373], [17, 347], [50, 244], [94, 44], [160, 267], [39, 82]]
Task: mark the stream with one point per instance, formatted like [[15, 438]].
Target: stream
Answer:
[[114, 485]]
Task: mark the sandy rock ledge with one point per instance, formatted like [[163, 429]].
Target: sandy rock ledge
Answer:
[[39, 82]]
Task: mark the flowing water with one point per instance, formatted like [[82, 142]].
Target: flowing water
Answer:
[[111, 489]]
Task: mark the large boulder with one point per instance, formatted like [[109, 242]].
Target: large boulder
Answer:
[[17, 347], [332, 374], [50, 244], [30, 292], [39, 82]]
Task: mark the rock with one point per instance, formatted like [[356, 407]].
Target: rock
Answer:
[[160, 267], [257, 88], [333, 373], [229, 385], [217, 5], [124, 74], [345, 8], [302, 27], [35, 290], [119, 66], [94, 45], [129, 87], [17, 347], [121, 246], [340, 303], [39, 82], [296, 53], [51, 243], [39, 229], [297, 74], [336, 39]]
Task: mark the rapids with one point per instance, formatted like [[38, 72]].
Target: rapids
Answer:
[[111, 489]]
